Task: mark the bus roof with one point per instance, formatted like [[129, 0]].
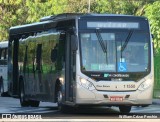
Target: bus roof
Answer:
[[74, 15], [4, 44], [50, 21]]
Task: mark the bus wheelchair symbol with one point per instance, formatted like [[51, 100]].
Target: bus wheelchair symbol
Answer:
[[122, 67]]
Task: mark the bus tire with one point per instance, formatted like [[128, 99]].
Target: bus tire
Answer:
[[34, 103], [23, 101], [125, 109], [61, 107]]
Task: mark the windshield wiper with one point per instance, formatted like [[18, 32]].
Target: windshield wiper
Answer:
[[126, 41], [101, 42]]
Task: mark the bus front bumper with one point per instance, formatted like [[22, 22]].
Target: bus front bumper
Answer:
[[94, 97]]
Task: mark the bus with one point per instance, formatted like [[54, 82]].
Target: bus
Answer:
[[3, 66], [82, 59]]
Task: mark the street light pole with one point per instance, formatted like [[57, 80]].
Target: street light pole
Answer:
[[89, 5]]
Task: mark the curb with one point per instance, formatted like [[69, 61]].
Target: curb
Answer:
[[156, 101]]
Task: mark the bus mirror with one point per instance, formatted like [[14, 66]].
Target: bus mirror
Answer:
[[74, 44], [54, 55]]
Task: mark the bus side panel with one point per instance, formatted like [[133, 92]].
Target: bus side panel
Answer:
[[39, 70]]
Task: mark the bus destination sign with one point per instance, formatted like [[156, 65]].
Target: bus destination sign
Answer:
[[121, 25]]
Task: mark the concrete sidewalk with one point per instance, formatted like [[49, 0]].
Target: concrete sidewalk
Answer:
[[156, 101]]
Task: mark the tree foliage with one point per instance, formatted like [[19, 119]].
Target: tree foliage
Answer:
[[18, 12], [11, 13], [40, 8], [152, 11], [77, 6]]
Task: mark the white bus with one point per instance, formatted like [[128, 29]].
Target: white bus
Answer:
[[3, 66], [82, 59]]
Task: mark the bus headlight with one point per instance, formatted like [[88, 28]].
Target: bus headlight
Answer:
[[146, 84], [86, 84]]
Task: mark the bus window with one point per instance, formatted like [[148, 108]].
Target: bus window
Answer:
[[48, 64], [30, 56], [54, 54], [60, 54], [135, 54], [25, 59], [0, 53], [3, 56], [5, 53], [38, 56], [96, 62]]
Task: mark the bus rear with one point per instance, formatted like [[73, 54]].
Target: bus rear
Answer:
[[114, 61], [3, 67]]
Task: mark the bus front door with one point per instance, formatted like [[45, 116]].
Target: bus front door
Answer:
[[70, 71]]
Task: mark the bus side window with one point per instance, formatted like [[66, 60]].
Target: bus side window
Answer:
[[5, 53], [54, 54], [46, 56], [25, 59], [3, 56], [38, 56], [0, 53], [60, 55]]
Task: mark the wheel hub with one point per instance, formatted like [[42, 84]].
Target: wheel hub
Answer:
[[59, 97]]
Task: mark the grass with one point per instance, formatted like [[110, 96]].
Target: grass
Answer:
[[156, 75]]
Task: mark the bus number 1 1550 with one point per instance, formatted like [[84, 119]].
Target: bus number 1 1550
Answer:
[[130, 86]]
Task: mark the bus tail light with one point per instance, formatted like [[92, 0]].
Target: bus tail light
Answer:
[[86, 84], [146, 84]]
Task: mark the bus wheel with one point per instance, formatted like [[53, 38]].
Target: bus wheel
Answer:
[[34, 103], [125, 109], [59, 99], [61, 107], [23, 101]]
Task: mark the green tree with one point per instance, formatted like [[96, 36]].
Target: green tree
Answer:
[[77, 6], [40, 8], [131, 7], [11, 13], [152, 12], [18, 12]]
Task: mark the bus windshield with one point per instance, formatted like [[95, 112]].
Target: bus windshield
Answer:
[[125, 51]]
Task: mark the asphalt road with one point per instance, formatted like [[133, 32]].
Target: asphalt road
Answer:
[[47, 110]]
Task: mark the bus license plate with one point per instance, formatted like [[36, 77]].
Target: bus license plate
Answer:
[[116, 98]]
